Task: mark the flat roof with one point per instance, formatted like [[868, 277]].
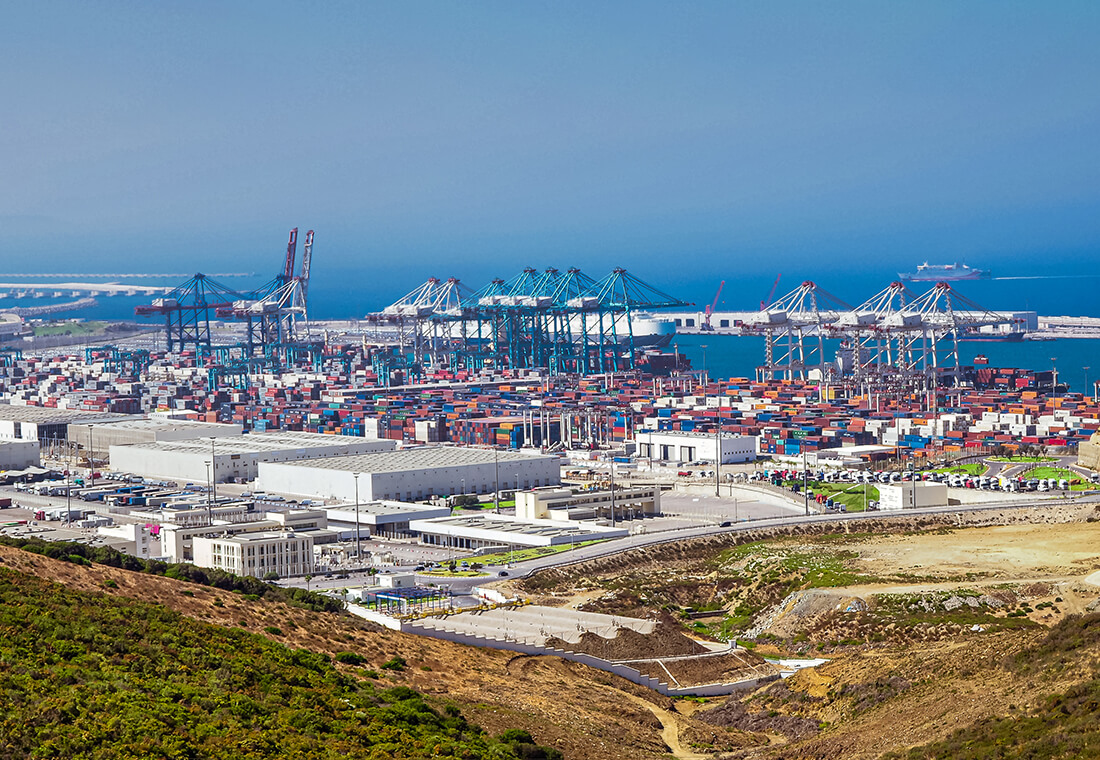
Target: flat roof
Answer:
[[255, 443], [404, 460], [131, 423], [517, 527], [48, 415], [382, 509]]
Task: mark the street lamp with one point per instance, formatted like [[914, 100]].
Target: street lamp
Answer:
[[208, 484], [214, 481], [358, 550], [1054, 376], [496, 480], [91, 455], [704, 375]]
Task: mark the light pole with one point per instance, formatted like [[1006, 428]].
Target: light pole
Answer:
[[1054, 377], [214, 466], [805, 479], [496, 480], [704, 374], [612, 467], [358, 552], [91, 455], [208, 484]]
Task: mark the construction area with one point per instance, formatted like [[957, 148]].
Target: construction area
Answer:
[[651, 652]]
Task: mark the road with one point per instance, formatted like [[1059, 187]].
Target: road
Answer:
[[463, 586]]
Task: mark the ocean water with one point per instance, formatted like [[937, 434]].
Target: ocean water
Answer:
[[351, 293]]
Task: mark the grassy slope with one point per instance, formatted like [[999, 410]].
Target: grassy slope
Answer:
[[93, 676]]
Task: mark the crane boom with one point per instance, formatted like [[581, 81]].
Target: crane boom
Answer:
[[710, 309], [307, 256], [291, 249], [771, 295]]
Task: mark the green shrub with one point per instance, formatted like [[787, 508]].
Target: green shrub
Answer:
[[350, 658], [394, 663]]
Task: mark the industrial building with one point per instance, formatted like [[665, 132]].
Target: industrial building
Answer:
[[102, 435], [562, 504], [285, 553], [911, 495], [40, 423], [18, 455], [389, 519], [410, 474], [676, 446], [485, 531], [236, 458]]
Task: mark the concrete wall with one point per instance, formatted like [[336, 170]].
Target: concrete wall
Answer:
[[17, 455], [629, 673], [1088, 453]]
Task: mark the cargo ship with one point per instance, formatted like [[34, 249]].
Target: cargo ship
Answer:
[[944, 273]]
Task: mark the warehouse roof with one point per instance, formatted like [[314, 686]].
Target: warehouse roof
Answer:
[[258, 442], [428, 458], [48, 415]]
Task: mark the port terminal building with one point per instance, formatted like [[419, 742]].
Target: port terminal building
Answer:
[[411, 474]]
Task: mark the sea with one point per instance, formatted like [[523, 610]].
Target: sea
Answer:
[[351, 293]]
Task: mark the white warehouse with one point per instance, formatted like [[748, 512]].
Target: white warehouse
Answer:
[[235, 458], [410, 474], [677, 446], [911, 495]]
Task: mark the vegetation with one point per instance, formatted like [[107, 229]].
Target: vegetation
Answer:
[[1019, 459], [969, 468], [68, 328], [524, 554], [82, 554], [97, 677]]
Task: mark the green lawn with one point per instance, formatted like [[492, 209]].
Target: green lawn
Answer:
[[848, 494], [969, 468], [68, 328], [1022, 459], [1059, 472], [520, 555]]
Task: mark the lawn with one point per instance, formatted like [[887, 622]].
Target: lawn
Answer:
[[1059, 472], [848, 494], [1022, 459], [68, 328], [521, 555], [970, 468]]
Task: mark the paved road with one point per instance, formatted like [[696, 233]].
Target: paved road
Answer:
[[617, 546]]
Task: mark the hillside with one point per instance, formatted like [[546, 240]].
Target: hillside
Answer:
[[88, 676]]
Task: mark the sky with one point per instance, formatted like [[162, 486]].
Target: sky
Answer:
[[686, 141]]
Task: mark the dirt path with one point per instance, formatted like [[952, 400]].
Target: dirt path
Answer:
[[670, 729]]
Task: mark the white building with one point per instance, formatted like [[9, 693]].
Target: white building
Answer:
[[482, 531], [101, 436], [235, 458], [381, 518], [285, 553], [18, 455], [677, 446], [178, 541], [410, 474], [562, 504], [911, 495], [20, 422]]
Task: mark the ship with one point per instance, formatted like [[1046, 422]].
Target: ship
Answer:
[[944, 273]]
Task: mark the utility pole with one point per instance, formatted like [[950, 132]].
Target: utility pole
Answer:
[[612, 465], [91, 456], [214, 466], [496, 480], [358, 549], [805, 479]]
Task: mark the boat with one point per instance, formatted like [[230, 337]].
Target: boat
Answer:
[[944, 273], [981, 359]]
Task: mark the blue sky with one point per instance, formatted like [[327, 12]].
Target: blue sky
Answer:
[[686, 141]]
